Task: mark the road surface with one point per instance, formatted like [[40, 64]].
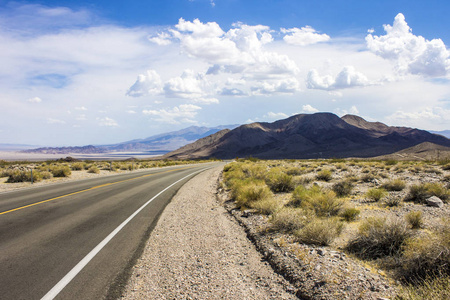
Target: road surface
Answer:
[[78, 240]]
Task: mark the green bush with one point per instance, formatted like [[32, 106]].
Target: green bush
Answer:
[[343, 188], [392, 201], [250, 191], [78, 166], [94, 170], [350, 214], [394, 185], [320, 231], [46, 175], [420, 192], [376, 194], [278, 181], [414, 219], [23, 176], [301, 193], [378, 238], [427, 255], [324, 204], [290, 219], [324, 175], [60, 171], [429, 288]]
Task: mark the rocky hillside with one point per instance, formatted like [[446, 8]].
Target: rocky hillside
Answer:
[[320, 135]]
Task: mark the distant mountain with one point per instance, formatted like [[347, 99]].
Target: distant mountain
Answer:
[[157, 144], [320, 135], [66, 150], [445, 133], [167, 141], [15, 147]]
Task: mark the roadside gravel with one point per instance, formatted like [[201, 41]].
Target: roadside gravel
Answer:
[[198, 251]]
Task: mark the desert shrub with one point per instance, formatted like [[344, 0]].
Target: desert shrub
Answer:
[[367, 178], [378, 238], [60, 171], [251, 191], [427, 255], [278, 181], [78, 166], [267, 205], [302, 180], [376, 194], [301, 193], [391, 201], [295, 171], [350, 214], [324, 175], [343, 188], [289, 219], [324, 204], [394, 185], [46, 175], [94, 170], [320, 231], [420, 192], [429, 288], [390, 162], [23, 176], [414, 219]]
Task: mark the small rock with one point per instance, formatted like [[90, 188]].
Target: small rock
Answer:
[[321, 252], [434, 201]]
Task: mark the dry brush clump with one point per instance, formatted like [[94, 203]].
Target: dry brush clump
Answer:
[[420, 192]]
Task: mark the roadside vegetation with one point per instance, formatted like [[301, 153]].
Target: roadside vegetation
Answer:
[[15, 172], [375, 211]]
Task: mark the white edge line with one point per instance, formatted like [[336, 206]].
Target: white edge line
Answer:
[[74, 272]]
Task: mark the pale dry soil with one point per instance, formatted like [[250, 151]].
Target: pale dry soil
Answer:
[[198, 251]]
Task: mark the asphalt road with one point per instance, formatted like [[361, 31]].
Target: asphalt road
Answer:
[[47, 231]]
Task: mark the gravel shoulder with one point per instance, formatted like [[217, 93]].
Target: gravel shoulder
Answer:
[[198, 251]]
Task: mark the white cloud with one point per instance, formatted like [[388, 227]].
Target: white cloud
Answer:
[[131, 111], [272, 87], [352, 111], [426, 117], [276, 116], [309, 109], [184, 113], [411, 54], [108, 122], [162, 39], [81, 118], [80, 108], [304, 36], [35, 100], [347, 78], [146, 84]]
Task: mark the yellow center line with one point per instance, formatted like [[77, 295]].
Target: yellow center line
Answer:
[[89, 189]]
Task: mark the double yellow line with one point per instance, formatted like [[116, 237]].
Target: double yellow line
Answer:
[[89, 189]]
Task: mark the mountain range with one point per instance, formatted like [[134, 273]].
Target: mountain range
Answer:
[[319, 135], [157, 144]]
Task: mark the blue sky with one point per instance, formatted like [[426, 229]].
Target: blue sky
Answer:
[[83, 72]]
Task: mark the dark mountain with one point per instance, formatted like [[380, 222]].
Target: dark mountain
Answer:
[[320, 135]]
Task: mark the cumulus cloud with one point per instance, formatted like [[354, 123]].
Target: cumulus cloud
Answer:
[[146, 84], [184, 113], [309, 109], [35, 100], [271, 87], [429, 116], [276, 116], [411, 54], [347, 78], [80, 108], [239, 51], [352, 111], [107, 122], [303, 36]]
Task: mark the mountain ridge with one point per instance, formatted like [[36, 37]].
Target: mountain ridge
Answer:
[[319, 135]]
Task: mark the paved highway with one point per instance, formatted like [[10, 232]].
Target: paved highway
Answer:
[[78, 240]]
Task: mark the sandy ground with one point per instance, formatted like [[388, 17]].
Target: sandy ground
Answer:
[[20, 156], [197, 251]]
